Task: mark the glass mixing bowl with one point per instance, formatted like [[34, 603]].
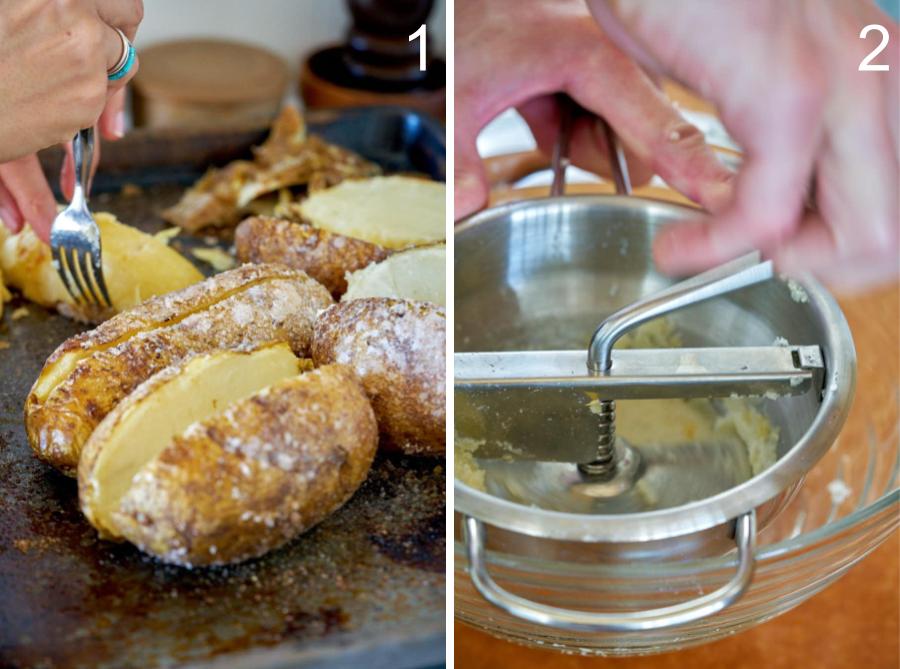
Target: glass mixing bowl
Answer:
[[845, 507]]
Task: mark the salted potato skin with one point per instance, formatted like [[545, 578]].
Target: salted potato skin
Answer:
[[397, 348], [255, 476], [241, 308], [325, 256]]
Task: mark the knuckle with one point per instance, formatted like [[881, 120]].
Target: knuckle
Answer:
[[812, 92], [85, 47], [129, 17], [679, 135], [137, 12], [67, 6]]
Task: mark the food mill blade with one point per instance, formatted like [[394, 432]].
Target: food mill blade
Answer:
[[535, 405], [646, 373]]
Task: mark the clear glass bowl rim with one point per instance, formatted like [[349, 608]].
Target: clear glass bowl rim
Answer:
[[764, 554]]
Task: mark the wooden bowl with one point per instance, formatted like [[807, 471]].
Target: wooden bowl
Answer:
[[208, 84]]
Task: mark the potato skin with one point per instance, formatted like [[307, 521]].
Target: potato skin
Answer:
[[255, 476], [397, 348], [264, 304], [325, 256], [170, 307]]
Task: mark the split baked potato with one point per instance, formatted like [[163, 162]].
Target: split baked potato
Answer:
[[347, 227], [90, 373], [397, 348], [136, 266], [227, 456]]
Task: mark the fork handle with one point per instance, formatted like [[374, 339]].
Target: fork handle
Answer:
[[83, 156]]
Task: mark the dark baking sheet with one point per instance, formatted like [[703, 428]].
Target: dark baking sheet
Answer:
[[366, 587]]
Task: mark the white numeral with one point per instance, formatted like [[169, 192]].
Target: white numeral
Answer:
[[866, 64], [420, 33]]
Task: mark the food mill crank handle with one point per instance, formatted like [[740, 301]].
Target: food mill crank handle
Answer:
[[739, 273], [731, 276]]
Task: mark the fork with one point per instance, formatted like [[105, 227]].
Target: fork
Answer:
[[75, 237]]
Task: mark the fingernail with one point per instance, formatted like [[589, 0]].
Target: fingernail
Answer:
[[466, 182], [716, 196], [119, 124], [9, 219]]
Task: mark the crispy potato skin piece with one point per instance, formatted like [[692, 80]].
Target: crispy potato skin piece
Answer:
[[397, 348], [255, 476], [288, 157], [325, 256], [264, 304]]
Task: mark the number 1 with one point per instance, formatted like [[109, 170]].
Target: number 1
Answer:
[[416, 35]]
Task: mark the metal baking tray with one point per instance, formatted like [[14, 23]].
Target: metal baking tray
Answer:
[[365, 586]]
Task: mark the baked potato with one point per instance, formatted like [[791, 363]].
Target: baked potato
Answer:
[[345, 228], [417, 274], [90, 373], [397, 348], [136, 266], [227, 456], [324, 256]]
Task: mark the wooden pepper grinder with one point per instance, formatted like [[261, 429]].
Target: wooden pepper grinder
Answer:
[[378, 65]]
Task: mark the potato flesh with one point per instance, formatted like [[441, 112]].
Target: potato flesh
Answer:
[[136, 266], [393, 212], [206, 386], [417, 274]]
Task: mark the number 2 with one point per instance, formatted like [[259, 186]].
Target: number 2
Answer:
[[865, 65], [416, 35]]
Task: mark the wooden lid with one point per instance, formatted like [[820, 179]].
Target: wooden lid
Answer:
[[210, 71]]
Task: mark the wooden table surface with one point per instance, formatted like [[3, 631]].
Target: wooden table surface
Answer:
[[853, 623]]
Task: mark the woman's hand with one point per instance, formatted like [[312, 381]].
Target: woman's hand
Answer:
[[785, 78], [517, 53], [54, 56]]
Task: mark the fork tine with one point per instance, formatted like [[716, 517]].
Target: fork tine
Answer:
[[75, 236], [97, 275], [85, 266], [63, 271], [77, 275]]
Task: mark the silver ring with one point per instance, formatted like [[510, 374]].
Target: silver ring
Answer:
[[123, 59]]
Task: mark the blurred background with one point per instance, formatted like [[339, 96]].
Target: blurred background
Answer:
[[290, 28], [229, 62]]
